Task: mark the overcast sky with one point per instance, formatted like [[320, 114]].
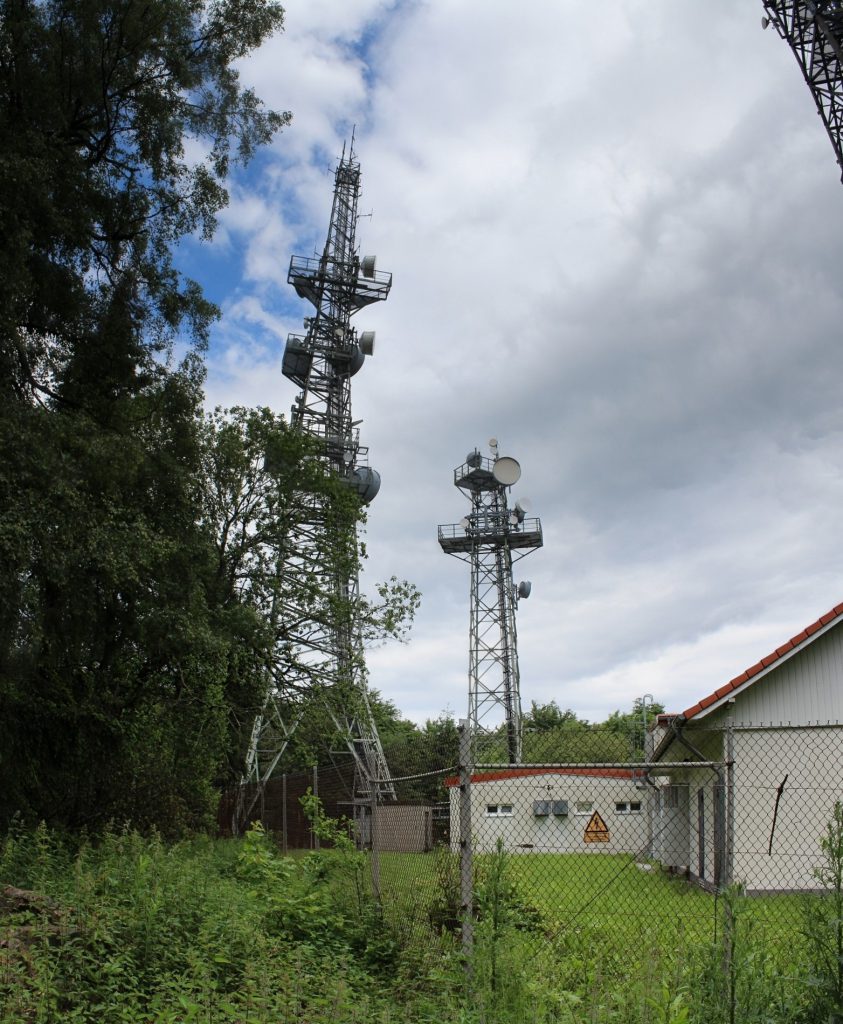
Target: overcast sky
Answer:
[[615, 235]]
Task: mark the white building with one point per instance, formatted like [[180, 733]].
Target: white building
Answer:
[[774, 733], [556, 810]]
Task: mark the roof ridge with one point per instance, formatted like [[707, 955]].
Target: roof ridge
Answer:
[[766, 662]]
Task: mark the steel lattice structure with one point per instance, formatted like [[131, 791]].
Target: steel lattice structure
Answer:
[[491, 538], [323, 655], [814, 31]]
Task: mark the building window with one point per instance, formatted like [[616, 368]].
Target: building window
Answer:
[[583, 806], [498, 810], [628, 807]]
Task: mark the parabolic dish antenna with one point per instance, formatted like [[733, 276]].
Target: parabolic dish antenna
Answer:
[[506, 471]]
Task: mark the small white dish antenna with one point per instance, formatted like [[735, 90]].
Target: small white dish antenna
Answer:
[[367, 266], [493, 444], [523, 505], [506, 471], [524, 588], [465, 522]]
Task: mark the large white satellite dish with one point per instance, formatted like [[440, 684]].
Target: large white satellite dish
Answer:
[[506, 471]]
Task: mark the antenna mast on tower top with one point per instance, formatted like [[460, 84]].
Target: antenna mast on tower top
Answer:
[[491, 538], [323, 642]]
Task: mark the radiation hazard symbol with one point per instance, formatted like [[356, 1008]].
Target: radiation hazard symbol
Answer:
[[596, 830]]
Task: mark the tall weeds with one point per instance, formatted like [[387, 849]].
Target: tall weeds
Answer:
[[823, 925], [126, 928]]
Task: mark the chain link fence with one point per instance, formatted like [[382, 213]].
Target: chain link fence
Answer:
[[709, 846], [717, 852]]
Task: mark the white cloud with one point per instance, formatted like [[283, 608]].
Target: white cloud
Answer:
[[615, 245]]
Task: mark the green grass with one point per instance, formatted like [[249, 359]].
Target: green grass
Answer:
[[579, 889], [595, 938]]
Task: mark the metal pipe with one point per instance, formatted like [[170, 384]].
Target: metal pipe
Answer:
[[725, 873], [466, 861], [376, 857]]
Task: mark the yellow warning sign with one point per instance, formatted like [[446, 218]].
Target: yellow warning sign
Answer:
[[596, 830]]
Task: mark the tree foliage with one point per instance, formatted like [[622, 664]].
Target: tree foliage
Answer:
[[118, 658], [546, 717], [551, 735], [146, 600], [110, 668], [100, 102], [258, 475]]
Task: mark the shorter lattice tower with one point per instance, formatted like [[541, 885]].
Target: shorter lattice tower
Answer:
[[491, 538]]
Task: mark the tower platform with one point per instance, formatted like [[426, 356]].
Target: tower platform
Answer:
[[457, 538]]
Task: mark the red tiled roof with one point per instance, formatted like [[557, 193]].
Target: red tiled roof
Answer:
[[526, 772], [766, 662]]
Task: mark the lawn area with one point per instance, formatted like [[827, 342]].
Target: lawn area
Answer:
[[576, 890], [598, 937]]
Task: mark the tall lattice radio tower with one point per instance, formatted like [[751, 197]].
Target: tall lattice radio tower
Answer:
[[491, 538], [322, 637]]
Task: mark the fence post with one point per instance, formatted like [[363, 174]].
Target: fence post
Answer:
[[727, 865], [315, 790], [466, 865], [375, 837], [729, 859], [284, 813]]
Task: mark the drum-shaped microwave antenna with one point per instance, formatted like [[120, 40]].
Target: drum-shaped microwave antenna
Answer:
[[367, 483], [524, 588], [355, 364]]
